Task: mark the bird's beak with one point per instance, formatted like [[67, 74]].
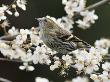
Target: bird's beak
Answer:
[[39, 19]]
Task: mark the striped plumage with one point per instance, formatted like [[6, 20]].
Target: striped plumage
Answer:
[[58, 38]]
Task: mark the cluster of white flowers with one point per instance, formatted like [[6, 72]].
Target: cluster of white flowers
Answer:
[[104, 76], [21, 4], [73, 7], [67, 59], [7, 9], [2, 14], [103, 43], [64, 63], [65, 22], [42, 55], [27, 67], [22, 47], [56, 64], [88, 61], [88, 18]]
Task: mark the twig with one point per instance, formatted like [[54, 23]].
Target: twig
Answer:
[[11, 5], [96, 5], [10, 60], [4, 80], [107, 57], [8, 37], [4, 28]]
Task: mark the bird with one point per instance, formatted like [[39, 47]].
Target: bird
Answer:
[[57, 38]]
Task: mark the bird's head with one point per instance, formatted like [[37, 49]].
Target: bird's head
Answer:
[[46, 24]]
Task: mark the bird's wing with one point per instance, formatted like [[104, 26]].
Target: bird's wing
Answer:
[[62, 34], [68, 37]]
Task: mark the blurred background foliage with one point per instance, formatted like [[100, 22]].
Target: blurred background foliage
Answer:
[[40, 8]]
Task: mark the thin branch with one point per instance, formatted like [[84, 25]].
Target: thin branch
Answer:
[[107, 57], [11, 4], [96, 5], [10, 60], [91, 7], [8, 37], [5, 31], [4, 80]]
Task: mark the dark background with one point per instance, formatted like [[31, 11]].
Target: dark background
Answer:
[[40, 8]]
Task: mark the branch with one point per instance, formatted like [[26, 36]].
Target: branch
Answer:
[[10, 60], [91, 7], [18, 61]]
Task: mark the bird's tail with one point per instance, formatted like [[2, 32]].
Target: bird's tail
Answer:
[[81, 44]]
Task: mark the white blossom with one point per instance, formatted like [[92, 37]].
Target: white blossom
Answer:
[[106, 66], [101, 77], [16, 13], [40, 79], [80, 79], [21, 4], [27, 57], [2, 12], [56, 65], [27, 67], [9, 12], [102, 43], [3, 45], [94, 76], [64, 2], [65, 22], [83, 24], [40, 56], [67, 59], [13, 31]]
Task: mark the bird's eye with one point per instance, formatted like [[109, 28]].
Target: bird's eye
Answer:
[[45, 20]]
